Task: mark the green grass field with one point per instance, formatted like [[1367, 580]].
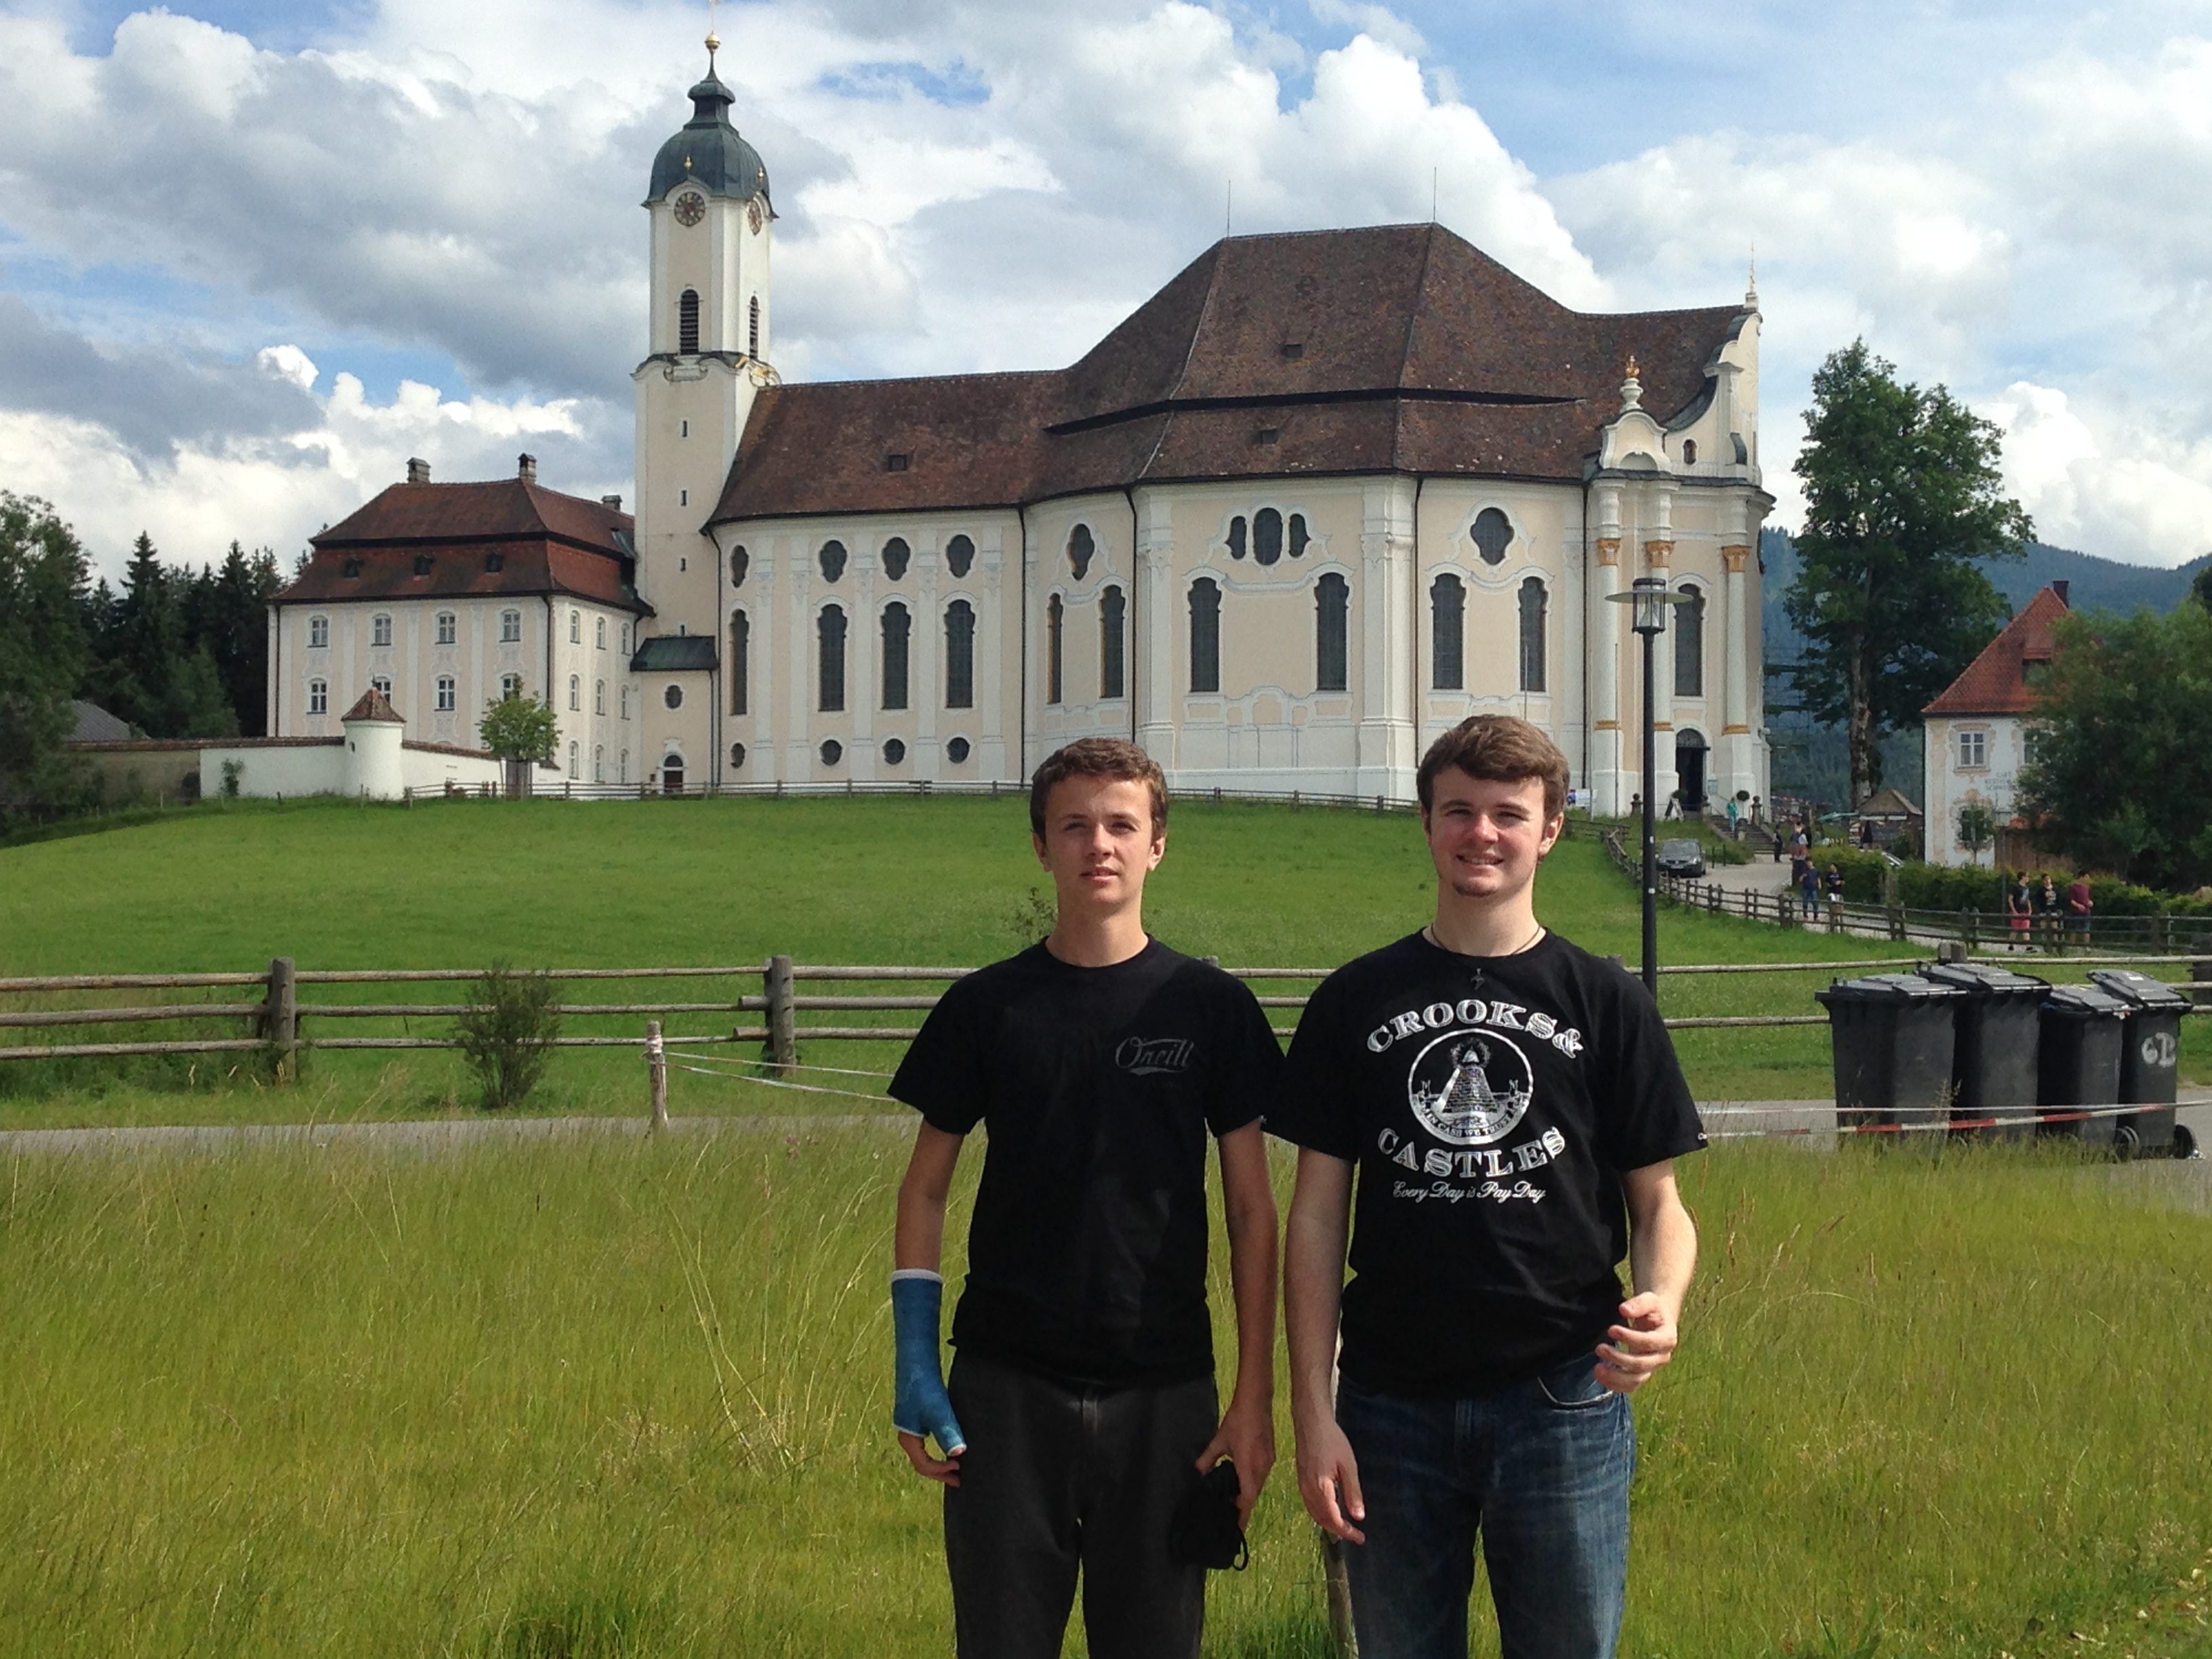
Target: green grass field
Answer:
[[619, 1397], [627, 884]]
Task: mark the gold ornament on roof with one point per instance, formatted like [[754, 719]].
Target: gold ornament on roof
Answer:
[[1630, 372]]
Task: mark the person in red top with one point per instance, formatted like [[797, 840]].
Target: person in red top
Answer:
[[2079, 904]]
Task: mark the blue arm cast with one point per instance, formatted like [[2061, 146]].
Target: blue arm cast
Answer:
[[920, 1404]]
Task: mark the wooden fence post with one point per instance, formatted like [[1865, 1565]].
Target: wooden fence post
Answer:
[[783, 1018], [1835, 915], [656, 1070], [1338, 1589], [1951, 950], [280, 1019]]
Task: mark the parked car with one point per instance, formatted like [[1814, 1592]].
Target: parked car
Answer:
[[1682, 858]]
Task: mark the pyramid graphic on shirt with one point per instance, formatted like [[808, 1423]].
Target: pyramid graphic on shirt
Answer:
[[1470, 1088]]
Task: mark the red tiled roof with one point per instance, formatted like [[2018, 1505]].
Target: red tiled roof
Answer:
[[1995, 683], [1418, 353], [546, 543], [374, 705]]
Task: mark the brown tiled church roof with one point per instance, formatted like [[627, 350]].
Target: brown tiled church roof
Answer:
[[1398, 349], [1995, 683], [544, 543]]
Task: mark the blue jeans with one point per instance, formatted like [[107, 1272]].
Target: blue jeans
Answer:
[[1541, 1470]]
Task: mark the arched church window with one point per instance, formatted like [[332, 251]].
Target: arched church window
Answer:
[[1332, 619], [752, 327], [687, 320], [1447, 634], [1689, 451], [1689, 632], [960, 653], [1299, 540], [896, 553], [1081, 548], [1266, 536], [1053, 617], [1206, 635], [740, 562], [833, 561], [830, 630], [959, 555], [1113, 611], [1493, 533], [1536, 613], [1236, 537], [741, 638], [898, 626]]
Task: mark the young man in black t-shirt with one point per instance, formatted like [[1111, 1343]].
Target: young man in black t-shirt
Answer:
[[1509, 1106], [1081, 1407]]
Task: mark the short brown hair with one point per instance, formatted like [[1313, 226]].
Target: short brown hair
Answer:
[[1099, 757], [1499, 748]]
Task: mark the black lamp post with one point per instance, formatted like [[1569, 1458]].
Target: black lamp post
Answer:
[[1649, 598]]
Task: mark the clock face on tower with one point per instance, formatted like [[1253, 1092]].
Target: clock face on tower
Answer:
[[753, 213], [691, 208]]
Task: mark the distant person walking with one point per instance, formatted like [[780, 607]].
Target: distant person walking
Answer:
[[2079, 904], [1834, 882], [2046, 911], [1809, 889], [1778, 844], [1731, 817], [2019, 912]]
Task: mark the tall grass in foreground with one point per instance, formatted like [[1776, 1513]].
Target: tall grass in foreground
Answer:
[[597, 1398]]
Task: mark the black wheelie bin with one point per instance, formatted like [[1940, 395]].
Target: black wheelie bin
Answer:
[[1993, 1066], [1893, 1034], [2078, 1061], [2150, 1055]]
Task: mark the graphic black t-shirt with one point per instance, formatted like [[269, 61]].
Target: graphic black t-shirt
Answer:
[[1086, 1250], [1489, 1105]]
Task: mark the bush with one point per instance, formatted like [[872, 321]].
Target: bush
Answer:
[[506, 1033]]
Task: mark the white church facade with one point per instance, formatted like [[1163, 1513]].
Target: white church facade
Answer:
[[1319, 498]]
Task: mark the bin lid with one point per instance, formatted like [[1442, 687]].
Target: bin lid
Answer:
[[2139, 990], [2083, 1002], [1984, 978], [1887, 988]]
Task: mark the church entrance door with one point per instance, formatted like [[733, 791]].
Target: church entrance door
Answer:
[[672, 776], [1690, 770]]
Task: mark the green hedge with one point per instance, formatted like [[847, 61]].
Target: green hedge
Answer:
[[1937, 887]]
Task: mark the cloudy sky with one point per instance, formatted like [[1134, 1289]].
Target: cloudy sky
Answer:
[[255, 254]]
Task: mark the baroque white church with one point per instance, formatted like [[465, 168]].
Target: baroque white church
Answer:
[[1322, 495]]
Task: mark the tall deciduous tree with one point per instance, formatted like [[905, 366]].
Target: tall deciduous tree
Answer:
[[2120, 771], [1902, 496], [519, 729], [42, 647]]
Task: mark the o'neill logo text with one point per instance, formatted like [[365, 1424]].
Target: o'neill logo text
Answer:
[[1151, 1056]]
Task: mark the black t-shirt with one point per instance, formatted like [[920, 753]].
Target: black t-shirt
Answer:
[[1490, 1104], [1086, 1250]]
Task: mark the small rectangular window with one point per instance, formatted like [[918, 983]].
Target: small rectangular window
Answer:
[[319, 697], [1294, 349], [1974, 749], [319, 633], [444, 694], [1268, 434]]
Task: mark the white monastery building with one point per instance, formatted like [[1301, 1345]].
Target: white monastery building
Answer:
[[1319, 498], [1976, 736]]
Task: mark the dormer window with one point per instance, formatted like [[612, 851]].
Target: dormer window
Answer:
[[422, 565], [896, 462], [1268, 434], [496, 560], [352, 567], [1293, 350]]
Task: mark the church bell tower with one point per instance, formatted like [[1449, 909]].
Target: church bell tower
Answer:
[[708, 355]]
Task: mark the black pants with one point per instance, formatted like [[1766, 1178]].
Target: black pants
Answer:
[[1058, 1479]]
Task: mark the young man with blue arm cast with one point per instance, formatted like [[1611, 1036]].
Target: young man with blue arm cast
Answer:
[[1081, 1408]]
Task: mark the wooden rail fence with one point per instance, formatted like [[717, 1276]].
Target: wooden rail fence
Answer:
[[280, 1024]]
